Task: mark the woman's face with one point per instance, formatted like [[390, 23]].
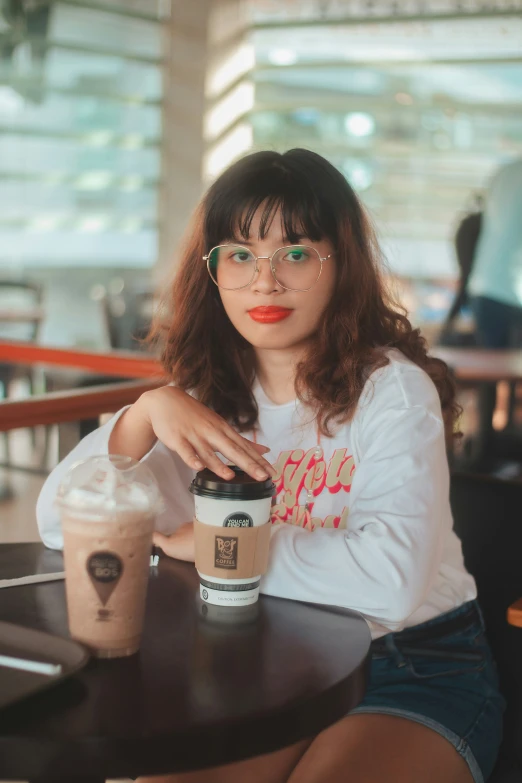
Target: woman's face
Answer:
[[300, 312]]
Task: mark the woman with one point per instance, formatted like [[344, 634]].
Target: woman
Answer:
[[281, 330], [495, 287], [495, 282]]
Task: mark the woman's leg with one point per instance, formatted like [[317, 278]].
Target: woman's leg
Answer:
[[358, 749], [270, 768], [366, 748]]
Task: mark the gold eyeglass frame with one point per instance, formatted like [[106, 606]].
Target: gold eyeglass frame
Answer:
[[269, 259]]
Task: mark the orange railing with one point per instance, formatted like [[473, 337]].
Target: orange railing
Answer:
[[71, 405], [77, 404], [124, 364], [468, 366]]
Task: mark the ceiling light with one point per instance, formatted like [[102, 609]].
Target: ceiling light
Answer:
[[358, 174], [282, 56], [359, 124]]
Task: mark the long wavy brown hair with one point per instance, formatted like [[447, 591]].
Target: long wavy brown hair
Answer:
[[201, 350]]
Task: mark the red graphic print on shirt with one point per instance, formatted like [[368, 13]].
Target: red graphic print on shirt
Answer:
[[302, 476]]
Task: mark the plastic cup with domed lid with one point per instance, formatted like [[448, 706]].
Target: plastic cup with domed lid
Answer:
[[108, 505], [232, 536]]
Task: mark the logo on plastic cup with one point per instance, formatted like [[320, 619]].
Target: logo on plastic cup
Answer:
[[225, 552], [238, 519], [105, 570]]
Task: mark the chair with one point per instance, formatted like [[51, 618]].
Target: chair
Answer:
[[488, 520], [127, 317], [21, 317], [21, 301]]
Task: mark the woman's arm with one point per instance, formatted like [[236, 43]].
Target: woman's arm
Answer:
[[188, 428], [132, 433], [47, 515], [175, 434]]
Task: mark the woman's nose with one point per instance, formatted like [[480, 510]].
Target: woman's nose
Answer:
[[264, 282]]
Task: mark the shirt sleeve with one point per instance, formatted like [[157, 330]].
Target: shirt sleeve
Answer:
[[171, 473], [385, 562]]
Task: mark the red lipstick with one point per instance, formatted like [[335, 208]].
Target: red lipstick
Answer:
[[269, 315]]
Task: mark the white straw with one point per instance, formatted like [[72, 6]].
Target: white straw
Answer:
[[38, 667], [32, 579]]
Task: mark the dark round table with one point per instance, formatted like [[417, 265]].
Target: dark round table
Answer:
[[202, 691]]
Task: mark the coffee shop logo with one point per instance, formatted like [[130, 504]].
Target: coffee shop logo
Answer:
[[225, 553], [238, 519], [105, 570]]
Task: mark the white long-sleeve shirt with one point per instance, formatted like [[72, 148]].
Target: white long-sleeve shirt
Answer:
[[378, 536]]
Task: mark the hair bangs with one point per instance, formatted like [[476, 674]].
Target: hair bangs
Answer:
[[234, 201]]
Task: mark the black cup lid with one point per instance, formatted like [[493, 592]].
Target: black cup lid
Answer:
[[241, 487]]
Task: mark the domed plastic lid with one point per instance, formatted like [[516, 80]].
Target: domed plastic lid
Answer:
[[241, 487], [109, 483]]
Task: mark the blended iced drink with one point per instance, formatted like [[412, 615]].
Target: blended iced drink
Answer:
[[108, 506], [232, 536]]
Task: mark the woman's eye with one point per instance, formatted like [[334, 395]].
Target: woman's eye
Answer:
[[240, 257], [297, 255]]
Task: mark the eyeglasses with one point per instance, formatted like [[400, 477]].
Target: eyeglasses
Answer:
[[295, 268]]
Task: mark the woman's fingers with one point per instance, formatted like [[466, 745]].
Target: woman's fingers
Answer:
[[208, 456], [179, 544], [249, 461], [187, 453], [161, 540], [196, 433], [199, 451], [198, 455], [252, 450]]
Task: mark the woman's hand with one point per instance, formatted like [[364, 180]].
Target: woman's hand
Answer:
[[196, 433], [179, 545]]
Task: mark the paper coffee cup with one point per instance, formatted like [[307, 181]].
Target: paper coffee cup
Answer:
[[231, 560]]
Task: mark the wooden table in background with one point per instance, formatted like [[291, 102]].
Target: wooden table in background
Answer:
[[478, 365], [484, 368], [200, 693]]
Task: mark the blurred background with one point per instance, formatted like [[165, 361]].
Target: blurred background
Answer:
[[115, 116]]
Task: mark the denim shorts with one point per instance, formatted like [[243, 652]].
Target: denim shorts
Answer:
[[441, 674]]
